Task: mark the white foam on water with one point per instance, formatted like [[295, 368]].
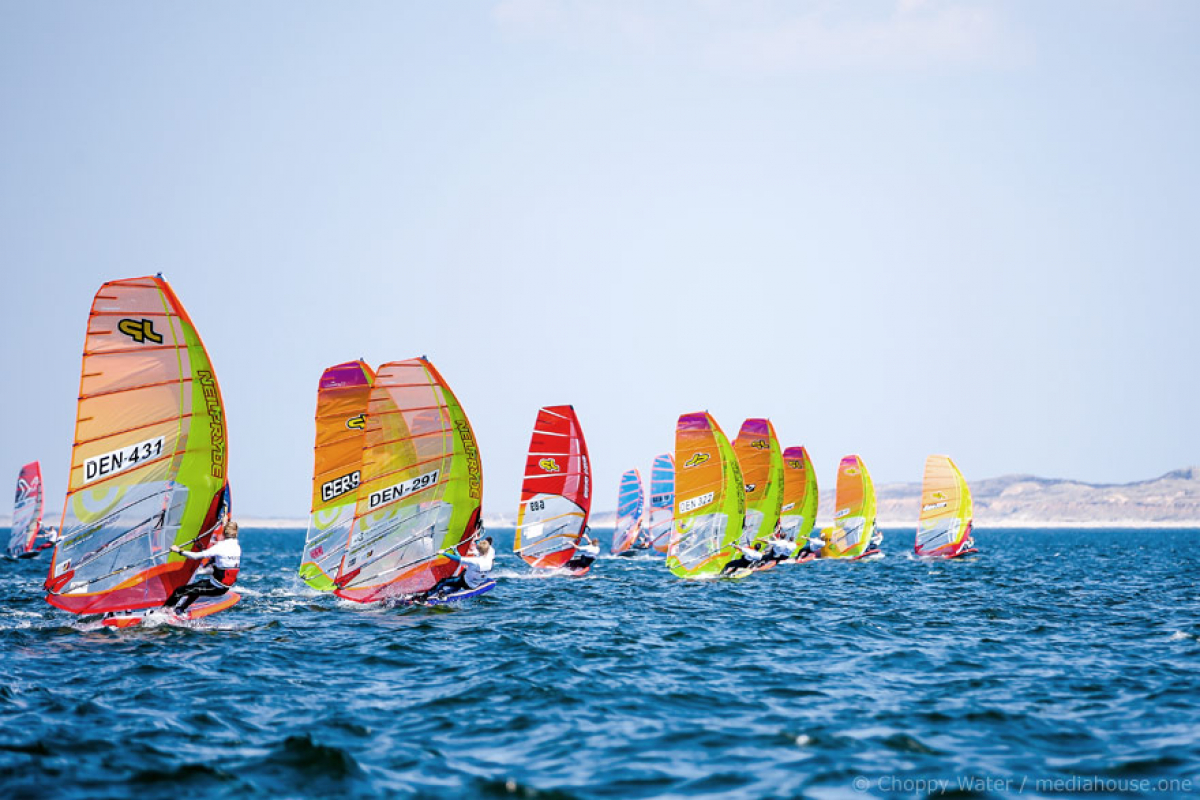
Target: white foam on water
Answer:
[[1179, 636]]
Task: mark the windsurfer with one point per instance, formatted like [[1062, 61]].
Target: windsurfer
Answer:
[[586, 551], [781, 548], [751, 558], [875, 543], [226, 555], [475, 567], [812, 548]]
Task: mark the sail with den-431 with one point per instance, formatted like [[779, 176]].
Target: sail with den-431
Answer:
[[121, 459]]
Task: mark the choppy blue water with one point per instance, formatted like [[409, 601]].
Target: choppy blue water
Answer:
[[1057, 656]]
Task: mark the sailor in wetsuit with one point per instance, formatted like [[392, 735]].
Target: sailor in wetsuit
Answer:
[[476, 565], [751, 557], [812, 547], [586, 551], [781, 548], [226, 555], [876, 541]]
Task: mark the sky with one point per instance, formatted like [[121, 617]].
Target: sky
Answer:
[[893, 228]]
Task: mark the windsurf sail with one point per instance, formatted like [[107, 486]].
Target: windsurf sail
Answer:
[[799, 509], [150, 461], [27, 510], [421, 487], [662, 502], [758, 455], [854, 511], [947, 511], [556, 495], [631, 506], [710, 499], [342, 397]]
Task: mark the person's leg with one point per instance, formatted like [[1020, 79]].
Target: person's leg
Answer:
[[199, 590]]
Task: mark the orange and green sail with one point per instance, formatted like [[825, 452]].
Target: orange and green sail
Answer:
[[710, 499], [759, 456], [150, 460], [421, 487], [854, 511], [947, 512], [799, 510], [341, 423]]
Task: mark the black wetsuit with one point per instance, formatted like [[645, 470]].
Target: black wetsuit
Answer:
[[207, 586]]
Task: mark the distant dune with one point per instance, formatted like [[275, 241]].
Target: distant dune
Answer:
[[1020, 500]]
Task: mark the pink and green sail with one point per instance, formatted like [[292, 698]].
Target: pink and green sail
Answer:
[[759, 456], [799, 510], [854, 511], [710, 499]]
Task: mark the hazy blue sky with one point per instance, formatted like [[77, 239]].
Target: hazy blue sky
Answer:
[[895, 228]]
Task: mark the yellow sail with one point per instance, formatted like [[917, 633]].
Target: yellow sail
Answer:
[[710, 501], [854, 512], [759, 456], [947, 513]]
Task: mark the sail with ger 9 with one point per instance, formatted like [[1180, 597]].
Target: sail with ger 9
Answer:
[[150, 458], [421, 487], [556, 493], [341, 423]]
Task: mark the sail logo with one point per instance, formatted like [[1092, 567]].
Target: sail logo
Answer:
[[358, 423], [687, 506], [934, 506], [788, 507], [697, 460], [938, 496], [841, 513], [549, 465], [474, 473], [121, 459], [759, 444], [339, 486], [795, 463], [403, 489], [140, 330], [216, 425], [851, 470]]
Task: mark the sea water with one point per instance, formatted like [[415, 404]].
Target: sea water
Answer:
[[1054, 663]]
